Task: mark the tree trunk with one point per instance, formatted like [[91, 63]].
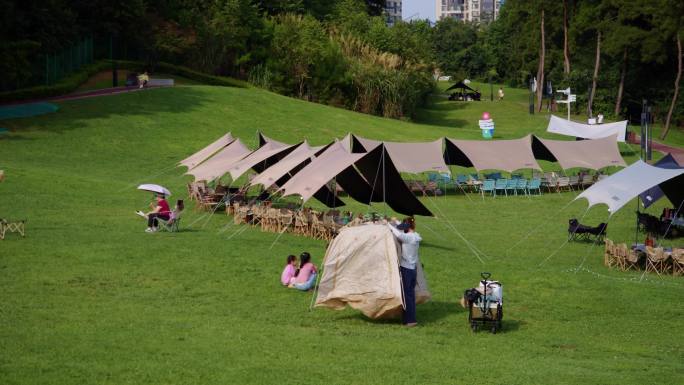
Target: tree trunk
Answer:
[[621, 87], [676, 88], [540, 70], [595, 77], [566, 49]]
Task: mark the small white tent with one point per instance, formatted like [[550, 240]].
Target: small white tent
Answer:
[[361, 269], [618, 189]]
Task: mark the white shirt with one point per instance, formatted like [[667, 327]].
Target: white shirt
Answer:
[[409, 247]]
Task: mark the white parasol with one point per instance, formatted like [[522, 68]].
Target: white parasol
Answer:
[[155, 188]]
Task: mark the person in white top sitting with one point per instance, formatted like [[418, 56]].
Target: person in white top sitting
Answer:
[[599, 118], [410, 241]]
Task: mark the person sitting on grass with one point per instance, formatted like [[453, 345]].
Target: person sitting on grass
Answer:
[[306, 278], [160, 209], [143, 79], [290, 272]]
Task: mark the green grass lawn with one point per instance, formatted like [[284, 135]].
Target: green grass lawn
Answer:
[[89, 298]]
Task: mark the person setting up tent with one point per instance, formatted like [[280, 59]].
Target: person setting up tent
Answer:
[[410, 241]]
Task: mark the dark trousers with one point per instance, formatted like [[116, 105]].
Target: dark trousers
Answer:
[[152, 219], [408, 280]]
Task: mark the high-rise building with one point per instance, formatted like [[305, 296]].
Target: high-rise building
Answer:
[[468, 10], [393, 11]]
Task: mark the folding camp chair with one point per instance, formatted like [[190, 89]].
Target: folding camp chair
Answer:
[[578, 231], [172, 225], [12, 227], [488, 186], [656, 260], [535, 184], [512, 186], [522, 186], [501, 184], [677, 261]]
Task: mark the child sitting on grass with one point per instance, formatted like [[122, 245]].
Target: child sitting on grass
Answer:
[[290, 271], [306, 276]]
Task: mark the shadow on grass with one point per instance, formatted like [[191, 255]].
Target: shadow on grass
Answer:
[[146, 104], [427, 313]]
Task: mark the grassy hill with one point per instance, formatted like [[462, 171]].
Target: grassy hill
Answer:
[[88, 297]]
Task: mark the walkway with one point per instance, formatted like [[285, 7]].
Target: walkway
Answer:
[[676, 152]]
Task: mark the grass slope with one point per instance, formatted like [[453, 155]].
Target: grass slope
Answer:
[[88, 297]]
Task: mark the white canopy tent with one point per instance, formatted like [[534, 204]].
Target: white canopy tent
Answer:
[[618, 189], [588, 131]]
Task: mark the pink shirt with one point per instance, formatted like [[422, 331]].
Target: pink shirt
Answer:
[[288, 273], [305, 273]]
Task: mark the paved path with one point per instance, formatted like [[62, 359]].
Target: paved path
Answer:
[[677, 153]]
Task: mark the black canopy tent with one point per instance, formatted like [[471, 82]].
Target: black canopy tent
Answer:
[[465, 93]]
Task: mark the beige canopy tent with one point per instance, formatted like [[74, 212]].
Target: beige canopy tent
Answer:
[[220, 163], [361, 270], [506, 155], [592, 154], [271, 175], [412, 158], [368, 177], [279, 173], [263, 139], [267, 155], [205, 153]]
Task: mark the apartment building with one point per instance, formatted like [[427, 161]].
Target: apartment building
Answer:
[[393, 11], [479, 11]]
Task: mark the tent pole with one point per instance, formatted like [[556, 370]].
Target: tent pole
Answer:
[[384, 187]]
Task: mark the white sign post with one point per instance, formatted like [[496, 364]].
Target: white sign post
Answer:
[[571, 98]]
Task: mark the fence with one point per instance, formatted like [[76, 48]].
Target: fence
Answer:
[[70, 59]]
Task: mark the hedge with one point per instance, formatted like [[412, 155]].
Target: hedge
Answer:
[[73, 81]]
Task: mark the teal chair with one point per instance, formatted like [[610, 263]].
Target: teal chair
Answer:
[[488, 185], [512, 186], [501, 184], [535, 184], [522, 186]]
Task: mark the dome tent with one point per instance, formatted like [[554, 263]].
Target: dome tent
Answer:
[[361, 270]]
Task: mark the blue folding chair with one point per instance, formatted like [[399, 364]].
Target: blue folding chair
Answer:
[[501, 184], [512, 186], [535, 184], [488, 186], [522, 186]]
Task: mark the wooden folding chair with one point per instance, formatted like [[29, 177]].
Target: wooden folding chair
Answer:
[[609, 254], [677, 261], [12, 227], [656, 260]]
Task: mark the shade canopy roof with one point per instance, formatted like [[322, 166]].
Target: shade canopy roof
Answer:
[[263, 139], [205, 153], [462, 86], [367, 177], [221, 162], [411, 158], [262, 158], [506, 155], [654, 193], [593, 154], [588, 131], [618, 189], [272, 175]]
